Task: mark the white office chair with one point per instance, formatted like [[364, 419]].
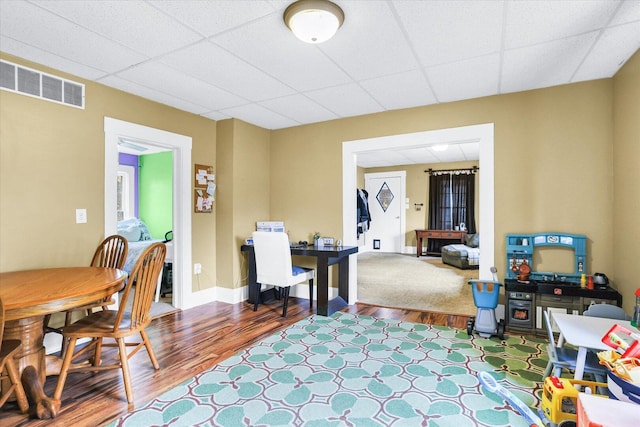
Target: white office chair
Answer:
[[274, 267], [563, 357], [606, 310]]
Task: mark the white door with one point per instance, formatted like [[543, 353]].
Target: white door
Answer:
[[386, 208]]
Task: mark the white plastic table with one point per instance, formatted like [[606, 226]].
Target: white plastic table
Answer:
[[586, 333]]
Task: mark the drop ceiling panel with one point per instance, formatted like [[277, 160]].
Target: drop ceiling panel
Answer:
[[455, 81], [260, 116], [302, 66], [299, 107], [142, 28], [345, 101], [402, 90], [358, 45], [544, 65], [445, 31], [534, 22], [214, 65], [610, 52], [62, 38], [214, 17]]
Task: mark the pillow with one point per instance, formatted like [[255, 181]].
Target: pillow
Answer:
[[472, 240], [134, 230]]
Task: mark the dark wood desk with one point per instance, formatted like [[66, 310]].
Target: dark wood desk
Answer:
[[325, 256], [31, 294], [436, 234]]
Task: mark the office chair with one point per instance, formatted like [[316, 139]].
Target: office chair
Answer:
[[274, 267]]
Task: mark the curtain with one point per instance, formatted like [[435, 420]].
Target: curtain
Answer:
[[451, 202]]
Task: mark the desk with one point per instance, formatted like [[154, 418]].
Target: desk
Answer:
[[326, 256], [438, 235], [586, 333], [31, 294]]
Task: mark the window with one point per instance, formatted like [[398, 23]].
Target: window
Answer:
[[125, 192]]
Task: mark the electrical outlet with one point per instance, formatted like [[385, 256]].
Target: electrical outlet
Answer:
[[197, 268], [81, 216]]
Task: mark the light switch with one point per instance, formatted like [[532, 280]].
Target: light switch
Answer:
[[81, 216]]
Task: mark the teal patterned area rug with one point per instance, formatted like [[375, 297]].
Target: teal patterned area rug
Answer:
[[349, 370]]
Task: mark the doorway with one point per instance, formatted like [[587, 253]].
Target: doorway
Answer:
[[482, 133], [180, 145], [386, 207]]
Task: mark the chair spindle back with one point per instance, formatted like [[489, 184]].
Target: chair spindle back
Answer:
[[112, 252]]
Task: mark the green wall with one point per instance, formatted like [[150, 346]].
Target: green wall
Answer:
[[155, 187]]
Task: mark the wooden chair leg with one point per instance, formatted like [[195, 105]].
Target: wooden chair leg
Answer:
[[16, 385], [124, 364], [147, 344], [68, 355], [310, 293]]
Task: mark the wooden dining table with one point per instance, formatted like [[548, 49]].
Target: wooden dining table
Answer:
[[28, 296]]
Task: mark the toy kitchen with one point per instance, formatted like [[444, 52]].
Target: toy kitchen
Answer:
[[548, 271]]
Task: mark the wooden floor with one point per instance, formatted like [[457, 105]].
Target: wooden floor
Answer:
[[186, 343]]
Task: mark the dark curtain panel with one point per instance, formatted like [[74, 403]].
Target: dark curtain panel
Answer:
[[451, 202], [463, 192]]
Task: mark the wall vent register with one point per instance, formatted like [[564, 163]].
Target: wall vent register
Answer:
[[30, 82]]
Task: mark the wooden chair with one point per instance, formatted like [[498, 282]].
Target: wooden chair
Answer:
[[273, 266], [565, 358], [117, 324], [112, 253], [8, 350]]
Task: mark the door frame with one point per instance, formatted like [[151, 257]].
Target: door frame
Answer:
[[402, 200], [483, 133], [115, 129]]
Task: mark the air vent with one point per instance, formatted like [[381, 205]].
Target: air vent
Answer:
[[19, 79]]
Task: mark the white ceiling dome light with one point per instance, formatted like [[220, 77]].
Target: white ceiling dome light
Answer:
[[313, 21]]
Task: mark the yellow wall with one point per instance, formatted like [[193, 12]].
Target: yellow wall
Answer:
[[556, 151], [626, 179], [52, 162], [417, 189]]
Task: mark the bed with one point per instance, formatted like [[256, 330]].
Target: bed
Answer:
[[465, 256]]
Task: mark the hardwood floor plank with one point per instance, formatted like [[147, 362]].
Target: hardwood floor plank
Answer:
[[186, 343]]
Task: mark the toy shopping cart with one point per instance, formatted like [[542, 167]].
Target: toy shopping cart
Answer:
[[485, 297]]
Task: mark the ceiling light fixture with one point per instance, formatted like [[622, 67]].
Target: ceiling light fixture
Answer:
[[439, 147], [313, 21]]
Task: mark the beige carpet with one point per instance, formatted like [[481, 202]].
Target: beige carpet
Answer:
[[406, 281]]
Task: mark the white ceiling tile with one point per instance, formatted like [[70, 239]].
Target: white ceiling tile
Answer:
[[216, 115], [214, 17], [610, 52], [447, 31], [142, 28], [345, 101], [17, 48], [299, 108], [281, 55], [180, 85], [358, 45], [402, 90], [629, 11], [214, 65], [60, 37], [544, 65], [259, 116], [532, 22], [475, 77], [152, 94]]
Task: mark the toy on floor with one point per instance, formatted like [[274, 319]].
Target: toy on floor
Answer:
[[490, 384], [559, 399], [485, 297]]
